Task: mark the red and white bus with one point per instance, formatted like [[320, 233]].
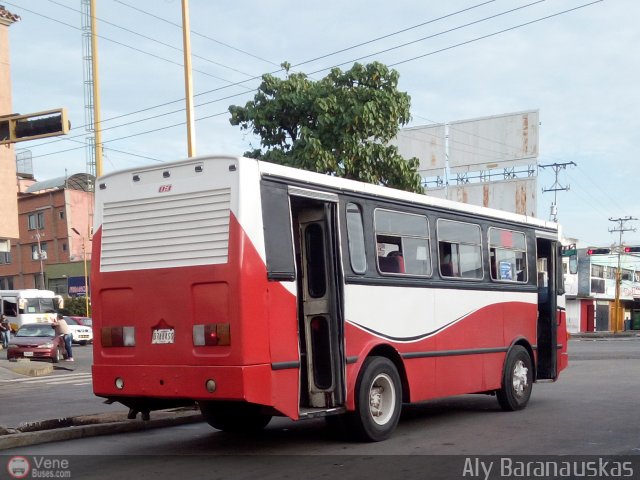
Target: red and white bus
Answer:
[[256, 290]]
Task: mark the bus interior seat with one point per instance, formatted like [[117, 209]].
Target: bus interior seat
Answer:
[[393, 264]]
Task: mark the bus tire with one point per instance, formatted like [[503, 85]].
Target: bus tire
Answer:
[[517, 380], [234, 417], [378, 400]]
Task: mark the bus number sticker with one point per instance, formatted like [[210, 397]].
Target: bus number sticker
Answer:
[[163, 335]]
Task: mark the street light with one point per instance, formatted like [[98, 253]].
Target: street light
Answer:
[[41, 256], [86, 285]]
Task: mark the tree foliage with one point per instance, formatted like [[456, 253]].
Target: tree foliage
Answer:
[[339, 125], [74, 306]]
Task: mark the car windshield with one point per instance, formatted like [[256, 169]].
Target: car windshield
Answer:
[[36, 331], [71, 321]]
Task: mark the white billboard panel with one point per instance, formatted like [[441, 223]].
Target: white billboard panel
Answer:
[[500, 141], [515, 195], [427, 144]]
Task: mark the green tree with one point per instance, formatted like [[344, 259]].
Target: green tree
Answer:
[[339, 125], [74, 306]]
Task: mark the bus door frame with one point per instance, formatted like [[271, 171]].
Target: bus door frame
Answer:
[[321, 323], [547, 248]]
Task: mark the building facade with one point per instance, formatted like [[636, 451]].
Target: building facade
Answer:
[[8, 188], [54, 219], [590, 284]]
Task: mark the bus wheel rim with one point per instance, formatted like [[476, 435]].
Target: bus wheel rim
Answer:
[[382, 399], [520, 378]]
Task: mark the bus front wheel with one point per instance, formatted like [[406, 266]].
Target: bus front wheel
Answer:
[[378, 400], [236, 417], [517, 380]]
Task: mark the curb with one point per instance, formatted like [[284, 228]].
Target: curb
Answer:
[[14, 440], [590, 335]]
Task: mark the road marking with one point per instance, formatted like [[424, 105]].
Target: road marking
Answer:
[[64, 381], [75, 376]]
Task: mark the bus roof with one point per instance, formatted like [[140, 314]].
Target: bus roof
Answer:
[[320, 180], [27, 293], [346, 185]]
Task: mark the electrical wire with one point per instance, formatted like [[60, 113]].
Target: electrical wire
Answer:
[[394, 64], [193, 32], [125, 45], [160, 42]]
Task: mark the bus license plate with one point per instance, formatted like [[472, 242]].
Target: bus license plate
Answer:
[[164, 335]]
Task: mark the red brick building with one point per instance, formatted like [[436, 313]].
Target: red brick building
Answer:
[[54, 219]]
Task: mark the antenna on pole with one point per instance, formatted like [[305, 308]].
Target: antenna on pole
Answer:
[[556, 187]]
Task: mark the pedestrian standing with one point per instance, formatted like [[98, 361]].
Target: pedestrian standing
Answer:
[[5, 331], [63, 330]]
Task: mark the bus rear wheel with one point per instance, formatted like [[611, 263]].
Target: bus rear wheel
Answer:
[[517, 380], [235, 417], [378, 400]]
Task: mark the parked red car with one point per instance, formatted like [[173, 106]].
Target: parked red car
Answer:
[[36, 341]]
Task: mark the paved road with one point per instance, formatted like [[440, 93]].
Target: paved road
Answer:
[[591, 410], [64, 393]]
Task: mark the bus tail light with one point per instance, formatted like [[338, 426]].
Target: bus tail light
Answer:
[[118, 336], [211, 334]]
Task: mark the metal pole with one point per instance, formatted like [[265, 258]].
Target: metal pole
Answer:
[[96, 91], [86, 283], [40, 258], [188, 83]]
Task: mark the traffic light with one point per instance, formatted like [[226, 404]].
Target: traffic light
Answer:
[[598, 251], [20, 128], [631, 249]]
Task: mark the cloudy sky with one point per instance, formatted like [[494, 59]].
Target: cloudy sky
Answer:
[[578, 68]]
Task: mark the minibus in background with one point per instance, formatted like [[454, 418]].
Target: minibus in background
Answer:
[[29, 306]]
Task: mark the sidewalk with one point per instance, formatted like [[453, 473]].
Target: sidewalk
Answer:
[[68, 428], [593, 335]]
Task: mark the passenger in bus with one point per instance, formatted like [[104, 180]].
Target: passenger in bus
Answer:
[[446, 266]]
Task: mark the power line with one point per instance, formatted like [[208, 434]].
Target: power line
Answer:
[[491, 17], [124, 44], [393, 33], [328, 68], [249, 79], [133, 32], [496, 33], [556, 187], [196, 33]]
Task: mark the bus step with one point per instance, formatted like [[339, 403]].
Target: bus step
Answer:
[[320, 412]]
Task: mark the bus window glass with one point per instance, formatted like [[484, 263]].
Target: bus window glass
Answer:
[[460, 250], [316, 281], [355, 235], [402, 243], [507, 255]]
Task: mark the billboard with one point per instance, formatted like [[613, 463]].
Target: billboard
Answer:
[[515, 195], [76, 286], [427, 144], [500, 141]]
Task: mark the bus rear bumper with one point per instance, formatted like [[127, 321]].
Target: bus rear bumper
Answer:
[[248, 383]]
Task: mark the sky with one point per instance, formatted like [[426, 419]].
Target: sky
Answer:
[[579, 69]]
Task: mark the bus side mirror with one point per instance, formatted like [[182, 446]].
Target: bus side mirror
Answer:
[[60, 301]]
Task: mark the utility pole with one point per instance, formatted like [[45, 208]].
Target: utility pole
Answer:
[[556, 187], [617, 316], [188, 82]]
